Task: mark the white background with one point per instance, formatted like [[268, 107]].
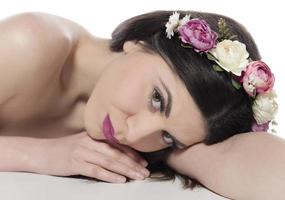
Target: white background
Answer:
[[264, 20]]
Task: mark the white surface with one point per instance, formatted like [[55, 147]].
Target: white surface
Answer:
[[29, 186]]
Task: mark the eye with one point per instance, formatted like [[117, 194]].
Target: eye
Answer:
[[168, 139], [157, 100]]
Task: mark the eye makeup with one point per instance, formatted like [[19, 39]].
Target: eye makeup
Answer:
[[156, 93], [158, 96]]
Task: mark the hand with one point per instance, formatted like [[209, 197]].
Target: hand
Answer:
[[80, 154]]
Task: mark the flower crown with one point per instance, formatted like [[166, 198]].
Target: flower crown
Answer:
[[231, 56]]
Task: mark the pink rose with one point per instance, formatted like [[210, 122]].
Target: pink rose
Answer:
[[257, 78], [262, 127], [198, 34]]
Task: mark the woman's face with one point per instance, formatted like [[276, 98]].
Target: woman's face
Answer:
[[131, 90]]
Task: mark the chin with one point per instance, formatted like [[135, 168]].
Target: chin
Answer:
[[92, 127]]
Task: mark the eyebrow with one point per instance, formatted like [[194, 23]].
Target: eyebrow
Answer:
[[169, 99], [168, 109]]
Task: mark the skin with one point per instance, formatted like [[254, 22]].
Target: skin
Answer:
[[73, 89], [50, 135], [122, 90], [251, 162], [42, 104], [71, 71]]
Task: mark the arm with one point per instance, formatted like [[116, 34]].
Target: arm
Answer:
[[19, 153], [30, 43], [245, 166], [76, 154]]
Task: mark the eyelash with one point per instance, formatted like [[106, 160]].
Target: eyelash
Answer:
[[156, 91], [160, 96], [173, 143]]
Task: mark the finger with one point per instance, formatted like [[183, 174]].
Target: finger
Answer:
[[90, 170], [116, 154], [111, 164], [132, 154], [125, 149]]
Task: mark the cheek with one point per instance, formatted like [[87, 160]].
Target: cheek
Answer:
[[131, 94], [127, 90], [149, 144]]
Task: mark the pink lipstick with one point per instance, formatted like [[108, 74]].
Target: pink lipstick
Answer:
[[108, 130]]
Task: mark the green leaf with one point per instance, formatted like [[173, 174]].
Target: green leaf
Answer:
[[217, 68], [274, 122], [250, 60], [224, 31], [232, 37], [236, 84], [273, 131], [211, 57], [186, 46]]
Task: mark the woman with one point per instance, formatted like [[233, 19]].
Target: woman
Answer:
[[108, 108]]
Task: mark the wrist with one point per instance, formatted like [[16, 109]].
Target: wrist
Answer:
[[35, 158], [199, 160], [20, 153]]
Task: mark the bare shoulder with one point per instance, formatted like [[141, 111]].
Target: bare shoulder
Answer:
[[33, 49], [31, 46], [34, 44]]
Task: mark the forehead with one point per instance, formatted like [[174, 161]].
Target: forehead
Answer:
[[185, 122]]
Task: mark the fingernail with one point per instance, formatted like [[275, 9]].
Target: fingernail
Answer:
[[120, 180], [144, 163], [138, 175], [145, 172]]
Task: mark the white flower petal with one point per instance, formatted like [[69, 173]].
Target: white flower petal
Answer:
[[265, 107], [172, 24], [231, 55], [184, 20]]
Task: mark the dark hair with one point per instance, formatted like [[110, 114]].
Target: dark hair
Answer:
[[229, 110]]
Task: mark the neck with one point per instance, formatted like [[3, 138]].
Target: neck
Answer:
[[90, 59]]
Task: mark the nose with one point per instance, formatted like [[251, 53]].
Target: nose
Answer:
[[135, 137], [149, 142], [143, 131]]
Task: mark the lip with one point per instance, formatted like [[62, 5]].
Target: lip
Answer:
[[108, 130]]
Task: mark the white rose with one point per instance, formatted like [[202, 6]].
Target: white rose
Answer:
[[231, 56], [265, 107]]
